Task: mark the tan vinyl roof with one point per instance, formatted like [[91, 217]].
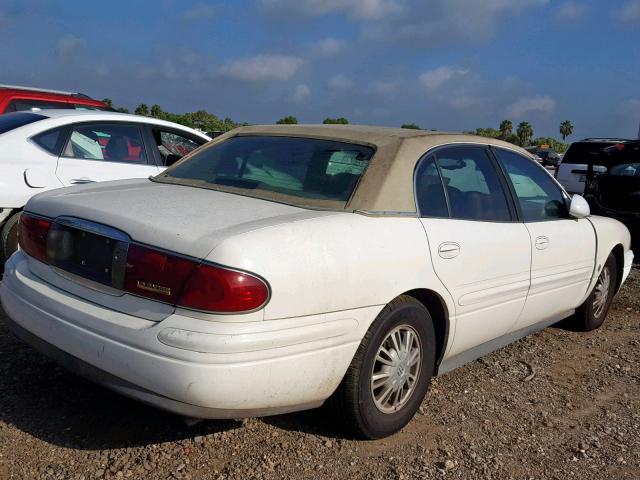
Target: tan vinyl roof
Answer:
[[387, 185]]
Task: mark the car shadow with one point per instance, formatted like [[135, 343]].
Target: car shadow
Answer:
[[58, 407]]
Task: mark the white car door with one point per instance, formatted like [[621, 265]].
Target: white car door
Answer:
[[97, 152], [562, 249], [479, 250]]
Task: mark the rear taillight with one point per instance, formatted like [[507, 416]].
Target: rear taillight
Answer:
[[32, 236], [191, 284]]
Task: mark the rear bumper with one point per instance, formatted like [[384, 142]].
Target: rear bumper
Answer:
[[191, 367]]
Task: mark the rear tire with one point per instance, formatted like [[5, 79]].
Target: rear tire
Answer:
[[399, 351], [592, 313], [9, 239]]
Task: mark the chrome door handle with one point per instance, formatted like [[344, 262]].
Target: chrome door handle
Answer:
[[542, 243], [449, 250], [80, 181]]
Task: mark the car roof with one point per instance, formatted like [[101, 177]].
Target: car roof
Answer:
[[71, 115], [387, 184]]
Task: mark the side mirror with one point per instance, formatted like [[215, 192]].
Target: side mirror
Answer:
[[172, 158], [579, 207]]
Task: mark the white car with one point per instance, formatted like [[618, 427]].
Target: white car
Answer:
[[281, 266], [572, 171], [47, 149]]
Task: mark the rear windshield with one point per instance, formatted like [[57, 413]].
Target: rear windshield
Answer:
[[583, 152], [11, 121], [298, 171]]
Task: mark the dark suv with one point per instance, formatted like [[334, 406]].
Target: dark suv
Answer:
[[16, 99], [616, 191]]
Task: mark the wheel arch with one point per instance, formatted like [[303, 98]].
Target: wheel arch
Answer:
[[618, 254], [440, 315]]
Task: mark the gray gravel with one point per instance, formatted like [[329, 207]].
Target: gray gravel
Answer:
[[556, 405]]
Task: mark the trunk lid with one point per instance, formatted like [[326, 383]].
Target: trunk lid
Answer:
[[181, 219]]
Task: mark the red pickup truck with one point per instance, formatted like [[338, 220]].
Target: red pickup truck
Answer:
[[15, 99]]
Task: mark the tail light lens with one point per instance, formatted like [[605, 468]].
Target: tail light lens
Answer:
[[32, 236], [187, 283]]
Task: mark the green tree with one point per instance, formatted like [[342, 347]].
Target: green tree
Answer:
[[411, 126], [336, 121], [506, 129], [122, 110], [156, 111], [142, 109], [525, 133], [566, 129], [488, 132], [108, 101], [290, 120]]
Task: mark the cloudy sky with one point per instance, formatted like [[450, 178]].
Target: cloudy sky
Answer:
[[445, 64]]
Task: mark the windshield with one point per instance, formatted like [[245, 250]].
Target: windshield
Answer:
[[11, 121], [299, 171]]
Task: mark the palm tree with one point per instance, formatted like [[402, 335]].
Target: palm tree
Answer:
[[506, 128], [525, 133], [566, 129], [142, 109], [156, 111]]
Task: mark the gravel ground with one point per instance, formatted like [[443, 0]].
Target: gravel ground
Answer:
[[558, 405]]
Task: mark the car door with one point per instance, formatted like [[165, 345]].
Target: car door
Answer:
[[100, 151], [563, 249], [479, 250]]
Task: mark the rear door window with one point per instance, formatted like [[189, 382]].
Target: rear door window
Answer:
[[109, 143], [473, 185]]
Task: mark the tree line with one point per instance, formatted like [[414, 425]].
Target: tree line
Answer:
[[208, 122]]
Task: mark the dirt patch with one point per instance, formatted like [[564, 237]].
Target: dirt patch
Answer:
[[556, 405]]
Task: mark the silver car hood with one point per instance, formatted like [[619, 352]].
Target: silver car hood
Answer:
[[183, 219]]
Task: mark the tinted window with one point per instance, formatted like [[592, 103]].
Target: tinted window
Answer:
[[15, 120], [296, 167], [111, 143], [50, 140], [23, 104], [472, 184], [539, 196], [430, 191], [584, 152], [171, 143]]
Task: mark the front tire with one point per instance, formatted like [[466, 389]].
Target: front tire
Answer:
[[390, 372], [591, 314]]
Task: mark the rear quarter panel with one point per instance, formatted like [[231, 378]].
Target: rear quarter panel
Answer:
[[334, 263]]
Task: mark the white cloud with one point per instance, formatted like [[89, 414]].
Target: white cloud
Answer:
[[340, 82], [434, 79], [446, 21], [70, 46], [200, 11], [544, 104], [383, 88], [628, 12], [357, 9], [330, 47], [571, 11], [262, 68], [301, 93]]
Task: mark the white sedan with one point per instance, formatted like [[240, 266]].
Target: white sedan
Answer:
[[282, 266], [47, 149]]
